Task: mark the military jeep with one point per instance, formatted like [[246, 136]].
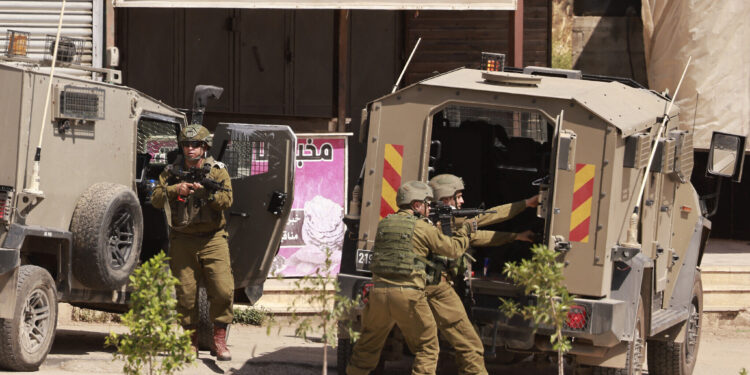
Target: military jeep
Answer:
[[584, 144], [78, 235]]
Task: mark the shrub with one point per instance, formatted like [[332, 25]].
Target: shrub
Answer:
[[253, 316], [155, 341], [542, 277]]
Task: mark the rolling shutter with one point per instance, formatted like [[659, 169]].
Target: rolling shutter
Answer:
[[82, 20]]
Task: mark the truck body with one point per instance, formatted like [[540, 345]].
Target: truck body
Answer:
[[583, 145], [77, 238]]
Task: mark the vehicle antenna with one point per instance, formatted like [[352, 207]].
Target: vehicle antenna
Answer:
[[395, 87], [632, 240], [33, 189]]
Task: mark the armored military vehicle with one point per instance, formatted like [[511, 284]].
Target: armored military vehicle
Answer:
[[584, 144], [75, 212]]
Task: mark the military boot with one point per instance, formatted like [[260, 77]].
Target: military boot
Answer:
[[219, 347]]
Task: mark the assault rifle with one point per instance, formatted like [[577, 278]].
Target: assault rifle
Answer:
[[200, 175], [443, 213]]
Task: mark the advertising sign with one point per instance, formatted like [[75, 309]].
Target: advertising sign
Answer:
[[319, 205]]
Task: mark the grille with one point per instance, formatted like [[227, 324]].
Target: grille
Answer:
[[683, 164], [16, 43], [494, 62], [515, 123], [156, 138], [246, 156], [578, 318], [637, 150], [69, 51], [6, 203], [82, 103]]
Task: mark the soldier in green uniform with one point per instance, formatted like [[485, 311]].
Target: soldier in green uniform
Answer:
[[198, 241], [445, 304], [402, 244]]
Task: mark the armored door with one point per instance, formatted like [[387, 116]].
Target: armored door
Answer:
[[260, 161]]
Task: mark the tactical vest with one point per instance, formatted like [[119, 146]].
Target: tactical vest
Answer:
[[192, 210], [392, 252]]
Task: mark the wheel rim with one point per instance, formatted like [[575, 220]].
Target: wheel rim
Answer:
[[36, 320], [120, 238], [693, 329]]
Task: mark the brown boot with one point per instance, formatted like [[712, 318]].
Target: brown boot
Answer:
[[220, 349]]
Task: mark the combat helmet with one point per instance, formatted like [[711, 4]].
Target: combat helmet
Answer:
[[446, 185], [195, 132], [413, 191]]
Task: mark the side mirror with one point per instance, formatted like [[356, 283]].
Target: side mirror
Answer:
[[726, 155]]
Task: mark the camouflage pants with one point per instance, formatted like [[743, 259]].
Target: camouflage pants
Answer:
[[455, 326], [194, 257], [407, 308]]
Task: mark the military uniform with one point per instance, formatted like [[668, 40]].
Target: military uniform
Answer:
[[198, 241], [446, 305], [398, 295]]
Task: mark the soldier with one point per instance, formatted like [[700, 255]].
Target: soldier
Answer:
[[449, 188], [198, 241], [445, 304], [403, 242]]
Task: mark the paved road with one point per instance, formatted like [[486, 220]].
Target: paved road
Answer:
[[78, 349]]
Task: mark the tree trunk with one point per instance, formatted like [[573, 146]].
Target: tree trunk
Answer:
[[560, 370]]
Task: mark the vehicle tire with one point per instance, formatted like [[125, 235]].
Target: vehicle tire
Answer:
[[205, 325], [26, 339], [671, 358], [635, 353], [107, 227]]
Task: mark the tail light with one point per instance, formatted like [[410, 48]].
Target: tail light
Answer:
[[366, 291], [577, 318], [6, 203]]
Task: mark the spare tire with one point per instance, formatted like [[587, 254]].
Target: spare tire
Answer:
[[107, 227]]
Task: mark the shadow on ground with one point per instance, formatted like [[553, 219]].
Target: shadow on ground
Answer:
[[289, 360], [76, 342]]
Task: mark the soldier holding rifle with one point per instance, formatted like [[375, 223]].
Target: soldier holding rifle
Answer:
[[194, 192]]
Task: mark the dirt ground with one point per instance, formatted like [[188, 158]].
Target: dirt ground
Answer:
[[79, 348]]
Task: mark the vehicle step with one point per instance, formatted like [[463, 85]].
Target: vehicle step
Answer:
[[663, 319]]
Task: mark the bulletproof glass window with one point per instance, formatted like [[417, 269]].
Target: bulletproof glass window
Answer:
[[156, 144], [156, 138], [246, 157], [515, 123]]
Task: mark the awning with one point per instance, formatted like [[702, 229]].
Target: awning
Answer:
[[325, 4]]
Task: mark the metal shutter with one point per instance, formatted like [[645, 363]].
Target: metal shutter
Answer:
[[83, 19]]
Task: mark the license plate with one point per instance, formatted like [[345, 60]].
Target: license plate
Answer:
[[364, 258]]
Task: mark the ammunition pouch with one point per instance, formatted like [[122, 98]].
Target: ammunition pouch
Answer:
[[434, 271]]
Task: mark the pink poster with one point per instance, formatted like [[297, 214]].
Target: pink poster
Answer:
[[319, 205]]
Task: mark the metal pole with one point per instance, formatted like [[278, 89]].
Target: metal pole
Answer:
[[34, 187], [395, 87]]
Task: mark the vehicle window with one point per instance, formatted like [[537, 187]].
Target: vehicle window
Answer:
[[156, 138], [515, 123], [245, 158]]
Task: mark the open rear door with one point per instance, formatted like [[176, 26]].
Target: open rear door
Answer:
[[260, 160], [556, 230]]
